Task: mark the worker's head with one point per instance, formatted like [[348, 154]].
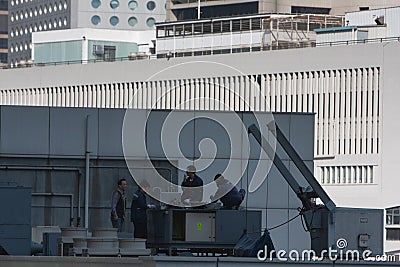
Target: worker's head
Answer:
[[144, 186], [219, 179], [190, 171], [122, 184]]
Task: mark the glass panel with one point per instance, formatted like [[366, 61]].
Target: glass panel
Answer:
[[114, 4], [388, 219], [96, 20], [132, 21], [132, 5], [150, 22], [151, 5], [114, 20]]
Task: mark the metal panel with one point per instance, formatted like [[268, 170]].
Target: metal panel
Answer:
[[244, 220], [302, 135], [110, 128], [24, 130], [392, 18], [236, 39], [200, 227], [198, 42], [15, 223], [68, 131], [364, 18], [350, 223]]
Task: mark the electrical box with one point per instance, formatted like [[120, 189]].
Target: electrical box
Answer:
[[200, 228], [15, 221], [347, 229], [50, 243]]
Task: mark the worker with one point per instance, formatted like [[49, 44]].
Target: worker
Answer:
[[118, 205], [192, 186], [227, 193], [138, 210]]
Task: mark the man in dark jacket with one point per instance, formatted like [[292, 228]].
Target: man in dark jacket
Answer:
[[227, 193], [118, 205], [138, 211], [192, 186]]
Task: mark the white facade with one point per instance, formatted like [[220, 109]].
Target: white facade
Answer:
[[143, 38], [28, 17], [352, 90], [363, 26], [121, 15]]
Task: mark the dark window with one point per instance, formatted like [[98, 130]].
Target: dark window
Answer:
[[217, 11], [3, 5], [109, 53], [310, 10], [393, 216], [3, 58], [3, 24], [393, 234], [3, 43], [362, 8]]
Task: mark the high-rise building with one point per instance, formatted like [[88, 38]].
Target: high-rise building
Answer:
[[27, 16], [3, 31]]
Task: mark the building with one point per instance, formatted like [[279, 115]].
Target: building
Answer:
[[27, 17], [363, 26], [85, 45], [351, 88], [189, 9], [240, 34], [3, 31]]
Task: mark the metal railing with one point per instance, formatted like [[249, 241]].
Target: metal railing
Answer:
[[227, 50]]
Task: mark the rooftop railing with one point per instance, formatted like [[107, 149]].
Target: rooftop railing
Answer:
[[255, 48]]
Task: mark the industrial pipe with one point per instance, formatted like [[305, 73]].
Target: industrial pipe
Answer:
[[87, 173], [49, 168], [71, 196]]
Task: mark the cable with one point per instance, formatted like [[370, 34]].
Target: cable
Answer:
[[272, 228]]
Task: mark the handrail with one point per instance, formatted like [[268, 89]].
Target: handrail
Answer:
[[186, 53]]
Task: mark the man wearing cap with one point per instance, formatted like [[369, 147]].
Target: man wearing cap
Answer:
[[227, 193], [192, 186]]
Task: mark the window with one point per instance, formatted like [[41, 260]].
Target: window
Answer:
[[393, 216], [132, 5], [132, 21], [96, 3], [95, 20], [109, 53], [310, 10], [150, 22], [151, 5], [393, 234], [114, 20], [114, 4]]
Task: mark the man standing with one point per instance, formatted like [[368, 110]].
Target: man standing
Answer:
[[192, 186], [230, 197], [138, 211], [118, 205]]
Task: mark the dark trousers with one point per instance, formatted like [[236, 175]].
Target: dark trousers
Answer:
[[117, 224], [140, 229]]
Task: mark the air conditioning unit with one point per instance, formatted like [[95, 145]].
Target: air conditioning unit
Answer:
[[98, 49]]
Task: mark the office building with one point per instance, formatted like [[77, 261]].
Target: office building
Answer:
[[27, 17], [3, 31]]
